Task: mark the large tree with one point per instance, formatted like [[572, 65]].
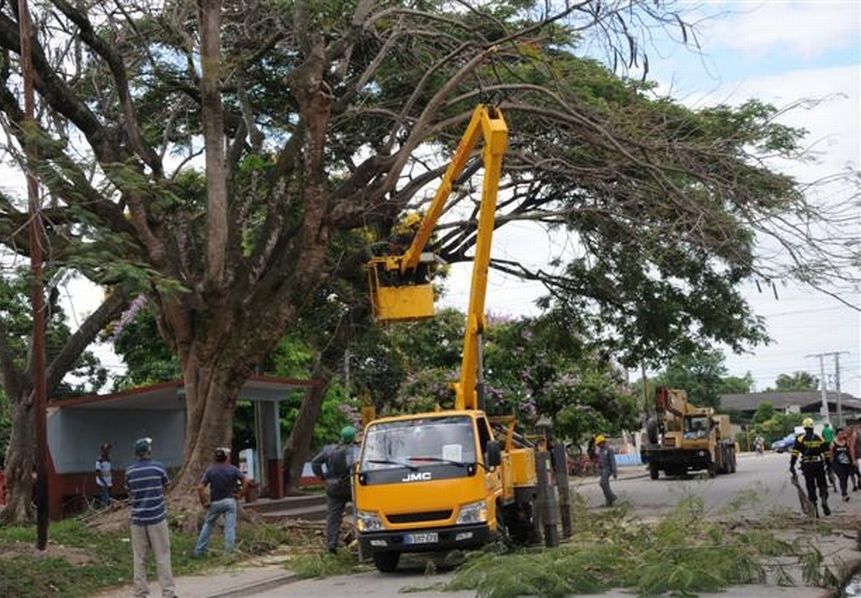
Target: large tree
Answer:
[[318, 117], [66, 353]]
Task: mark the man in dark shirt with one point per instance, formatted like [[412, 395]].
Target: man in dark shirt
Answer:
[[225, 482], [333, 465], [145, 482]]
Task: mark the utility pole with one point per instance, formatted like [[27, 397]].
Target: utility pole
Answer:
[[837, 354], [824, 408], [840, 421], [38, 294]]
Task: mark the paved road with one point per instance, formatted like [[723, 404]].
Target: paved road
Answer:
[[765, 476]]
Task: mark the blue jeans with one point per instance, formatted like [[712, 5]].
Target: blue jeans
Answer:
[[226, 507], [104, 498]]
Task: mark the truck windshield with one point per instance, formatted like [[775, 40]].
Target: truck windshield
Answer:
[[419, 442], [696, 427]]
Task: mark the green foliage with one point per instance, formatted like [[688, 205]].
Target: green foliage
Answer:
[[703, 375], [764, 411], [147, 358], [534, 367], [795, 381], [680, 554], [327, 565], [86, 373], [778, 425]]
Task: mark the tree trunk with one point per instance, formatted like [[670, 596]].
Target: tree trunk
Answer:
[[20, 463], [210, 404], [299, 443]]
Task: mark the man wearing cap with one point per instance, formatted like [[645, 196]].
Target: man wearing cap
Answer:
[[338, 461], [607, 462], [815, 455], [103, 476], [225, 483], [145, 482]]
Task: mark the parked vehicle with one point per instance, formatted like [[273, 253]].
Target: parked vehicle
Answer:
[[784, 444]]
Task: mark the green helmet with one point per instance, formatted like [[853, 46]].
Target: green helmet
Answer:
[[348, 434]]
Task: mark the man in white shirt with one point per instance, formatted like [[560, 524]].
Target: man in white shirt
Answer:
[[103, 476]]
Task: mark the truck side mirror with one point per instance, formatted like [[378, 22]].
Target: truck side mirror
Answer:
[[494, 454]]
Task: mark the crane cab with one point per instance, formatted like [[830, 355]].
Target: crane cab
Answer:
[[397, 296]]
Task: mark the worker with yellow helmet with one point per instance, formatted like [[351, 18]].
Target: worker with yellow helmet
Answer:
[[607, 462], [815, 457]]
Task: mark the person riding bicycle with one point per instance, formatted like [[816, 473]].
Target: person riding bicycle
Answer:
[[759, 445]]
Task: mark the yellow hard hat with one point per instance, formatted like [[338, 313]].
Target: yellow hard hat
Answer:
[[599, 438], [807, 423], [407, 224], [412, 218]]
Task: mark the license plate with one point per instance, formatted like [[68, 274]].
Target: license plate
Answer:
[[424, 538]]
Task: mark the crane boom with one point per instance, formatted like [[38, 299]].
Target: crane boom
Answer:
[[412, 301]]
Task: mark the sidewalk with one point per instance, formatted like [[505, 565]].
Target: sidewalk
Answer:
[[231, 583]]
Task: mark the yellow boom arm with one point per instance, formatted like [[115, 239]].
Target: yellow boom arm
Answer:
[[411, 301]]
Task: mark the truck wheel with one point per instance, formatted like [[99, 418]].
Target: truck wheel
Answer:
[[386, 562], [654, 472]]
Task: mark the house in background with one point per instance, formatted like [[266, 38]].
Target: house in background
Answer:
[[78, 426], [808, 402]]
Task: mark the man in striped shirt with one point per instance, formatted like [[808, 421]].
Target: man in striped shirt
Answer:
[[145, 481]]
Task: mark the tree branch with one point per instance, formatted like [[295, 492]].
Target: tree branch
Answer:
[[117, 299]]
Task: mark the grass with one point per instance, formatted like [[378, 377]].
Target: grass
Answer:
[[325, 565], [80, 561]]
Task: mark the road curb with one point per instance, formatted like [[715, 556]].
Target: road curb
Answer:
[[258, 586], [576, 483]]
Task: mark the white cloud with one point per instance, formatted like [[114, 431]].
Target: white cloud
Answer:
[[802, 29]]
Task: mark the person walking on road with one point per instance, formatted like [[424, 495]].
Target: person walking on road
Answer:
[[226, 483], [103, 476], [145, 482], [814, 454], [841, 459], [333, 464], [607, 462], [855, 450], [828, 437]]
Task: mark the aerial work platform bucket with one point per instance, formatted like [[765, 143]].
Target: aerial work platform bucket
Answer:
[[396, 297]]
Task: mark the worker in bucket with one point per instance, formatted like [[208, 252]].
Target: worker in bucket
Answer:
[[815, 456]]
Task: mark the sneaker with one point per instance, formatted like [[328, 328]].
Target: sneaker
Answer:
[[845, 498], [825, 509], [333, 551]]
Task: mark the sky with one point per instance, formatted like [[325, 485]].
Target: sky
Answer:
[[779, 52]]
